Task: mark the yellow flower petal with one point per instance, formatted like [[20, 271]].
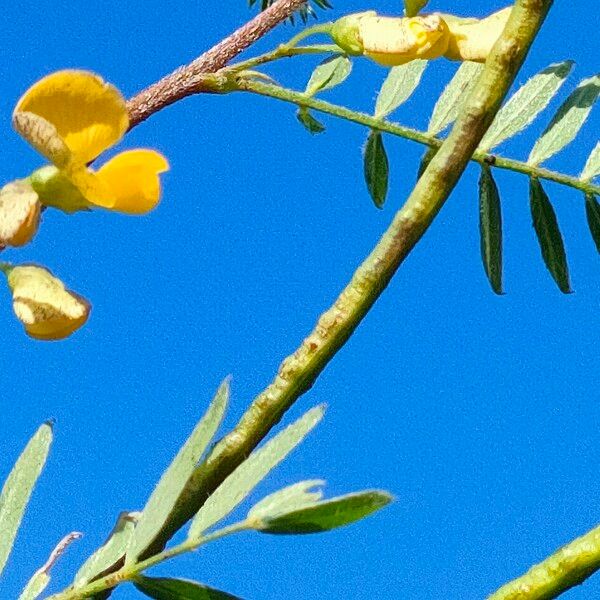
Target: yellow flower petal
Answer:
[[133, 180], [19, 213], [42, 303], [89, 115], [473, 39]]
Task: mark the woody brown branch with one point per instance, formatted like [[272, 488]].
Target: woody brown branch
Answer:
[[188, 79]]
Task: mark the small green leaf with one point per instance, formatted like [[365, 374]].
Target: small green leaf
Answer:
[[592, 211], [452, 98], [549, 236], [412, 7], [592, 165], [327, 515], [41, 578], [36, 585], [376, 167], [329, 73], [310, 123], [163, 588], [526, 104], [567, 122], [251, 472], [110, 553], [490, 228], [425, 160], [398, 86], [287, 499], [19, 486], [171, 484]]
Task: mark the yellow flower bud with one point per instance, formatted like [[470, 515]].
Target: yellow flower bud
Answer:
[[19, 213], [41, 302]]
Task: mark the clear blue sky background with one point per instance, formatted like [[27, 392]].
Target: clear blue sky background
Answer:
[[480, 413]]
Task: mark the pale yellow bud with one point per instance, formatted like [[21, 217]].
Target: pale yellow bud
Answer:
[[19, 213], [41, 302]]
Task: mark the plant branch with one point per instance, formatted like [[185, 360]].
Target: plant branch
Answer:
[[188, 79], [130, 572], [301, 99], [299, 371], [565, 569]]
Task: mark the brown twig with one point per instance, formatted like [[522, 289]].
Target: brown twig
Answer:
[[188, 80]]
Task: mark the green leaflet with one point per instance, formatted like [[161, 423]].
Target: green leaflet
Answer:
[[376, 168], [490, 228], [398, 86], [110, 552], [171, 484], [327, 515], [449, 103], [309, 122], [36, 585], [567, 122], [412, 7], [329, 73], [526, 104], [592, 165], [592, 212], [290, 498], [549, 236], [163, 588], [19, 486], [251, 472]]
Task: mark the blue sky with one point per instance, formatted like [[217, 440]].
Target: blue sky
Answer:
[[478, 412]]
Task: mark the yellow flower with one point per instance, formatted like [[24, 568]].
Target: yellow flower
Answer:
[[42, 303], [19, 213], [71, 117]]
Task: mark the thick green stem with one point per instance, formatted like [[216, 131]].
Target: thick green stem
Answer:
[[565, 569], [299, 371], [300, 99]]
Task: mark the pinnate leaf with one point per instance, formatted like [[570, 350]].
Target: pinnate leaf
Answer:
[[490, 228], [452, 98], [592, 211], [376, 168], [328, 514], [171, 484], [19, 486], [567, 122], [549, 236], [526, 104], [398, 86], [329, 73], [592, 165], [251, 472], [163, 588]]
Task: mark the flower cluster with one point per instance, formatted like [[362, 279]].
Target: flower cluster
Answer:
[[70, 117], [392, 41]]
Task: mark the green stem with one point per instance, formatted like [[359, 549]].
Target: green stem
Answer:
[[300, 99], [130, 572], [299, 371], [568, 567], [284, 51], [314, 30], [6, 268]]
